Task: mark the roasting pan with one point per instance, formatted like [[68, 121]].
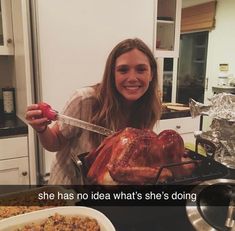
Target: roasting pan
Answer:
[[206, 169]]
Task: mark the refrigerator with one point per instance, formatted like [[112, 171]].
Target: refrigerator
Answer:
[[71, 41]]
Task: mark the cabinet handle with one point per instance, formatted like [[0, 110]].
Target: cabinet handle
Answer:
[[9, 41], [24, 173], [178, 126]]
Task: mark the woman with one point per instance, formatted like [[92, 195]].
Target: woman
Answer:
[[126, 97]]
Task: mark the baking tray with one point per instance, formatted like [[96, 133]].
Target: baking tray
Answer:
[[206, 169]]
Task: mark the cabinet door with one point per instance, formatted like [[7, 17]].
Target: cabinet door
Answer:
[[13, 147], [14, 171], [185, 126], [6, 33], [169, 79], [167, 28], [191, 76]]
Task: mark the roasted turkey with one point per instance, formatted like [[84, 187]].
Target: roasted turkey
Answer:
[[135, 156]]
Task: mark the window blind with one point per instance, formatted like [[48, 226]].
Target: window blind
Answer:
[[199, 17]]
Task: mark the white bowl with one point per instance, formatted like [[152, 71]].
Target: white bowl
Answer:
[[12, 223]]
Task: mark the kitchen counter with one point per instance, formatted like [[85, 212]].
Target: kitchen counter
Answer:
[[11, 125], [225, 89], [175, 114]]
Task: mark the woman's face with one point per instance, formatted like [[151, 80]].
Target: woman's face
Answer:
[[132, 75]]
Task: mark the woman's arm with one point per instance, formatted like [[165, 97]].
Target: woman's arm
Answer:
[[50, 138]]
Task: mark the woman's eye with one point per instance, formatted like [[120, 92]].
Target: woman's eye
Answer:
[[123, 70], [141, 70]]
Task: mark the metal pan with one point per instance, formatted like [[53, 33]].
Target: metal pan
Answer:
[[206, 169], [211, 211]]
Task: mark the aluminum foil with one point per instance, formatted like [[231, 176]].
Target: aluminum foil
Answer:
[[222, 106], [222, 133]]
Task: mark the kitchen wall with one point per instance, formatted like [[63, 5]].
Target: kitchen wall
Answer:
[[221, 45]]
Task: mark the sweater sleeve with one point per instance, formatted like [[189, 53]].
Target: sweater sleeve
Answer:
[[77, 106]]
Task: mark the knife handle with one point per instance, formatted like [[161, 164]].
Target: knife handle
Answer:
[[47, 111]]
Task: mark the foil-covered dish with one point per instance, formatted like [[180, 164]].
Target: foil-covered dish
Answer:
[[220, 140], [222, 106]]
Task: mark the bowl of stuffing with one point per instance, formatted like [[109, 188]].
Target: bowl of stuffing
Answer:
[[59, 218]]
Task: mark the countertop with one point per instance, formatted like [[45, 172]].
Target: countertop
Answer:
[[221, 89], [11, 125], [175, 114]]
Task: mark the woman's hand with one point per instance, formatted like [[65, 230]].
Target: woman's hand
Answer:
[[35, 118], [51, 138]]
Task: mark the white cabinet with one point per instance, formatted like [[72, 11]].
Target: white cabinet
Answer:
[[14, 171], [167, 28], [6, 33], [185, 126], [14, 162], [13, 147], [166, 41]]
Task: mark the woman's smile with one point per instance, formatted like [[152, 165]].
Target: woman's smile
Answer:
[[132, 87]]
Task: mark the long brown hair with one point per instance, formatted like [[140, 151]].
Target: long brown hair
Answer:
[[108, 109]]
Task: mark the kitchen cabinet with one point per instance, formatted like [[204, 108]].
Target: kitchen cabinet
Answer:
[[185, 77], [13, 147], [14, 171], [167, 87], [191, 74], [6, 33], [167, 28], [168, 78], [14, 166], [166, 43], [185, 126]]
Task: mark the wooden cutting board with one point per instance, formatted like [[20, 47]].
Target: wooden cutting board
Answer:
[[178, 108]]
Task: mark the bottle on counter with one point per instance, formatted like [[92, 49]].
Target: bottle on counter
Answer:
[[9, 107]]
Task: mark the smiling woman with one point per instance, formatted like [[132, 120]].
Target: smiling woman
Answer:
[[126, 97]]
